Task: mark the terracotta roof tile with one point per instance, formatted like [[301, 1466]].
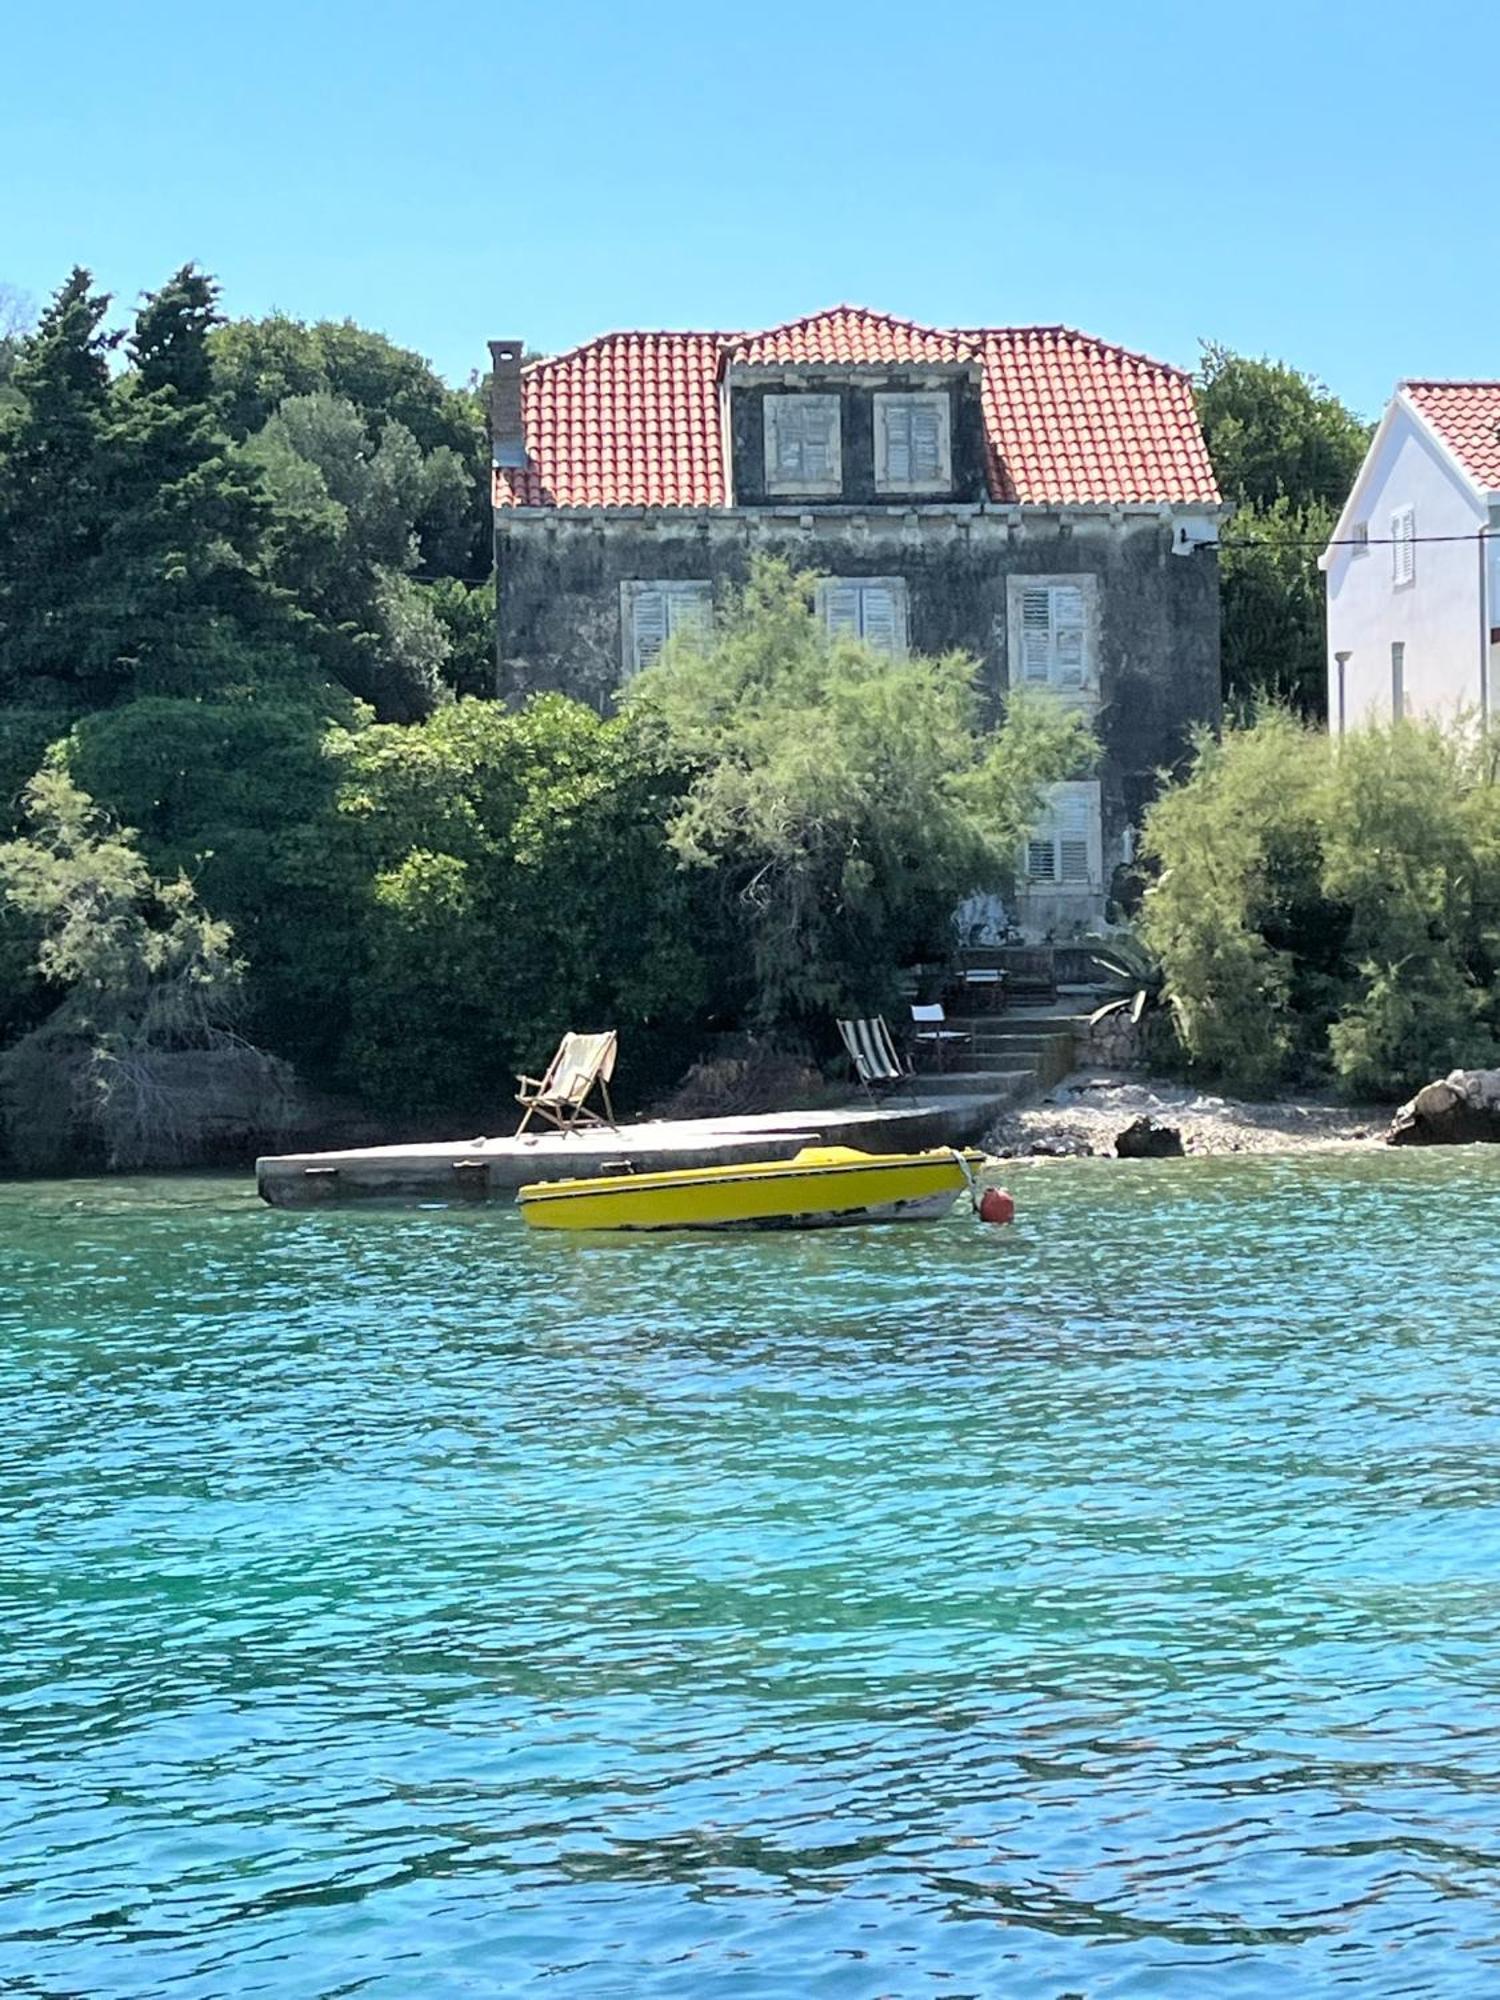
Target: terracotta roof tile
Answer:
[[632, 419], [852, 336], [1466, 416]]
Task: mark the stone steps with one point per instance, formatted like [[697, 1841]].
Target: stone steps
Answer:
[[1029, 1048]]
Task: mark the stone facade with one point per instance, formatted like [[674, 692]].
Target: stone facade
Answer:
[[1157, 613], [920, 461]]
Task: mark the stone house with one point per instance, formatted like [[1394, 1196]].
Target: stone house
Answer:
[[1038, 498]]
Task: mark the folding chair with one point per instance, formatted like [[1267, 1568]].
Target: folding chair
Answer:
[[930, 1030], [873, 1054], [582, 1062]]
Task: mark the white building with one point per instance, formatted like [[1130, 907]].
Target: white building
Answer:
[[1413, 569]]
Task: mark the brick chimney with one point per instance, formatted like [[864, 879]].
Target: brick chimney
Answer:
[[507, 437]]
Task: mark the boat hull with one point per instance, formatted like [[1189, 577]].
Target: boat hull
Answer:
[[821, 1188]]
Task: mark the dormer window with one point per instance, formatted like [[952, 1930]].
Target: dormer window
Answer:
[[803, 450], [913, 450]]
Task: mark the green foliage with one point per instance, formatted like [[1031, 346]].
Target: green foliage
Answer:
[[1285, 452], [356, 518], [53, 523], [1326, 908], [239, 796], [846, 801], [139, 972], [261, 365], [518, 883], [1272, 598], [1275, 433], [129, 528]]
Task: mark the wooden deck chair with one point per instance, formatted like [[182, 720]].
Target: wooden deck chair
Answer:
[[561, 1096], [873, 1054]]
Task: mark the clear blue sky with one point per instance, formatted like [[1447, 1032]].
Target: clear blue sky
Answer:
[[1314, 180]]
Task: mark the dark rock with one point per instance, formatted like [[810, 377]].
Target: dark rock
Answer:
[[1146, 1140], [1460, 1109]]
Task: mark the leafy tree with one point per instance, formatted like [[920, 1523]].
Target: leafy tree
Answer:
[[142, 973], [1327, 908], [1400, 850], [1236, 846], [1275, 433], [352, 515], [263, 364], [1286, 451], [845, 801], [518, 881], [239, 797]]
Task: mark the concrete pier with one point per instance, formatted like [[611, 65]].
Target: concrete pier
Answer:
[[485, 1169]]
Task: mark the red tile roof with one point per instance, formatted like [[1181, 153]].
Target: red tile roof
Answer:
[[851, 336], [1466, 416], [633, 419]]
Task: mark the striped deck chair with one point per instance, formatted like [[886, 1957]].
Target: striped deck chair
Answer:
[[582, 1063], [873, 1054]]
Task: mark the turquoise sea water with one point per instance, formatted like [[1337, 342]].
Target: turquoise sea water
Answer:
[[393, 1605]]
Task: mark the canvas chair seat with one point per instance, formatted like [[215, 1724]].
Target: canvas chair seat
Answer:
[[877, 1063], [582, 1064]]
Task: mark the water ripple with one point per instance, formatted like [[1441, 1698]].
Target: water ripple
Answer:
[[396, 1605]]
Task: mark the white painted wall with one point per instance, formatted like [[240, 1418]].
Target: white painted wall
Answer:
[[1437, 617]]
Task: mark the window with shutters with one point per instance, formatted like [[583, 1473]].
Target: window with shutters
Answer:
[[651, 613], [1403, 547], [1065, 848], [913, 451], [1050, 626], [803, 447], [872, 608]]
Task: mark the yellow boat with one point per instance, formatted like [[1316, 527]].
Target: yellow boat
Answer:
[[817, 1188]]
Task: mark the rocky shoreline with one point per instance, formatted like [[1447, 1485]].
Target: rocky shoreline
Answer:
[[1085, 1113]]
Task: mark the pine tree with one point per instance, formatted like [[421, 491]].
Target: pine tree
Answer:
[[131, 524], [193, 608], [53, 472]]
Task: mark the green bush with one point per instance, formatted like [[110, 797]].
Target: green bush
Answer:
[[1325, 909]]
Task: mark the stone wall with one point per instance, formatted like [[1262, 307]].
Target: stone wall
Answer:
[[558, 579]]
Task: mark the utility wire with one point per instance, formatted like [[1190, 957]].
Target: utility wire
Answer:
[[1355, 542]]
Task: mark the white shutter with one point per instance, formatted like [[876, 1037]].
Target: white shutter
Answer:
[[841, 608], [1403, 546], [1036, 634], [689, 608], [650, 613], [868, 608], [926, 442], [898, 442], [1054, 638], [877, 606], [1065, 847], [1067, 635], [802, 442], [648, 626], [1041, 863]]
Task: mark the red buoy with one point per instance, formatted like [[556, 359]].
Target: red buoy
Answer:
[[996, 1205]]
